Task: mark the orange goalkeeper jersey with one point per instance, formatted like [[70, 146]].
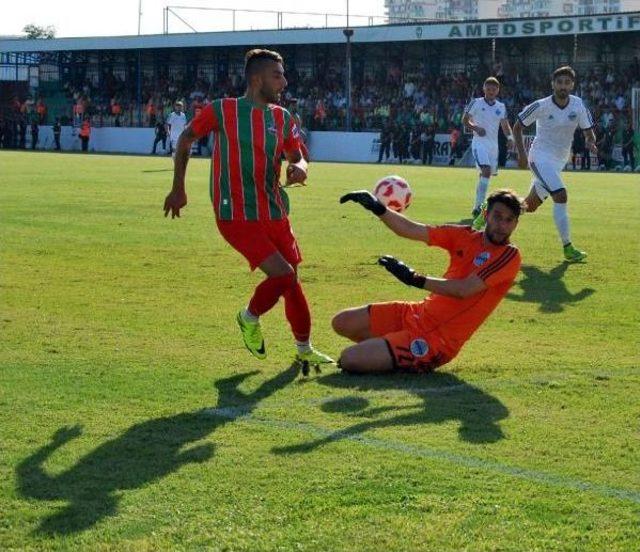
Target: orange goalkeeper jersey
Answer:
[[457, 319]]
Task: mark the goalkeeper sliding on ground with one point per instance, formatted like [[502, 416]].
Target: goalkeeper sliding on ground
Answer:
[[420, 336]]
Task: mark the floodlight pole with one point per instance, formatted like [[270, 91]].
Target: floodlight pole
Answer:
[[139, 15], [139, 87], [348, 33]]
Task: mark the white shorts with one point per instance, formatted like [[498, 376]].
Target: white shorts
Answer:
[[546, 176], [486, 156]]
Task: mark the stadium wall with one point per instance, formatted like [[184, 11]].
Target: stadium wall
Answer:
[[103, 140], [346, 147], [354, 147], [363, 147]]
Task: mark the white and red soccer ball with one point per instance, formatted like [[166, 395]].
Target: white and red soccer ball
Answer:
[[394, 192]]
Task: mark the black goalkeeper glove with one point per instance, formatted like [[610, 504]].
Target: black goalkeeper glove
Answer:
[[404, 273], [367, 200]]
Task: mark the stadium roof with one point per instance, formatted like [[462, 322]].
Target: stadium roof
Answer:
[[502, 28]]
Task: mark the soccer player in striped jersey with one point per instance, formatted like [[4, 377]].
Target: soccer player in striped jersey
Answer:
[[420, 336], [483, 116], [251, 135], [556, 117]]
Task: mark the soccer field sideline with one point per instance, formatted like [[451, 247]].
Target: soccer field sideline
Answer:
[[247, 414], [329, 436]]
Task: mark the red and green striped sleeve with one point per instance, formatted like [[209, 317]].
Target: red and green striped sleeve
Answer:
[[204, 122]]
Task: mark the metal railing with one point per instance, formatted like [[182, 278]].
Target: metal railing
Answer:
[[279, 18]]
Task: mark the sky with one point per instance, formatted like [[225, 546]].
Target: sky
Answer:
[[120, 17]]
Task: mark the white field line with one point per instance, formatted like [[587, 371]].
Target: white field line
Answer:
[[244, 414]]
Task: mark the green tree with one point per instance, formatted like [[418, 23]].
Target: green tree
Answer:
[[35, 31]]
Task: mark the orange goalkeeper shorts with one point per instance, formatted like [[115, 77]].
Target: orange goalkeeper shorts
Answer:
[[414, 349]]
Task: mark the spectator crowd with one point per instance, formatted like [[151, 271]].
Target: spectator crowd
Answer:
[[408, 108]]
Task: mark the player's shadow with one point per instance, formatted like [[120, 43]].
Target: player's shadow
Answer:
[[144, 453], [547, 289], [441, 397], [157, 170]]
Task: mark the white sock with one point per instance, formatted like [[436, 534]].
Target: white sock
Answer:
[[481, 191], [561, 218], [303, 346], [248, 317]]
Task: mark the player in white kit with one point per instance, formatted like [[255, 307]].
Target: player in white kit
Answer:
[[556, 118], [176, 121], [483, 116]]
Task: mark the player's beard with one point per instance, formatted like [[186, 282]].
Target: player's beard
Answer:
[[270, 95], [491, 236]]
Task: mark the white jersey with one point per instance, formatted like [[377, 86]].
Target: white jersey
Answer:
[[555, 126], [176, 122], [488, 116]]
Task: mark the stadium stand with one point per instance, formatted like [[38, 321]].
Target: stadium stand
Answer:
[[411, 86]]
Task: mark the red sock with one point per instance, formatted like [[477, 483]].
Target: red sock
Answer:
[[297, 311], [268, 292]]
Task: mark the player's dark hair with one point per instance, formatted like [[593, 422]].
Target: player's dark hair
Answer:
[[492, 80], [255, 60], [509, 199], [564, 71]]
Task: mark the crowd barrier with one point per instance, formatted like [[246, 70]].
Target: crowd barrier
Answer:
[[347, 147]]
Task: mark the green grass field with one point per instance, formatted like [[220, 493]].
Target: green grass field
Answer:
[[134, 419]]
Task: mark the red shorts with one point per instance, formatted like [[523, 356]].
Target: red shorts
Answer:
[[257, 240], [413, 348]]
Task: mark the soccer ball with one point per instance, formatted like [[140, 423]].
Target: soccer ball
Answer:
[[394, 192]]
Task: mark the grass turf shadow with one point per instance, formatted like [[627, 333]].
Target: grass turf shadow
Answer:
[[144, 453], [444, 397], [547, 289]]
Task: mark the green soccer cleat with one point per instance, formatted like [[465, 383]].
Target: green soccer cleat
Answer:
[[252, 336], [573, 255], [479, 221], [312, 358]]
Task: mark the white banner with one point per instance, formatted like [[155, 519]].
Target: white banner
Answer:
[[102, 140], [549, 26], [348, 147], [363, 147], [354, 147]]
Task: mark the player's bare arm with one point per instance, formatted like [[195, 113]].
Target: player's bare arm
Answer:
[[468, 122], [177, 197], [460, 288], [506, 128], [590, 140], [517, 138], [397, 223]]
